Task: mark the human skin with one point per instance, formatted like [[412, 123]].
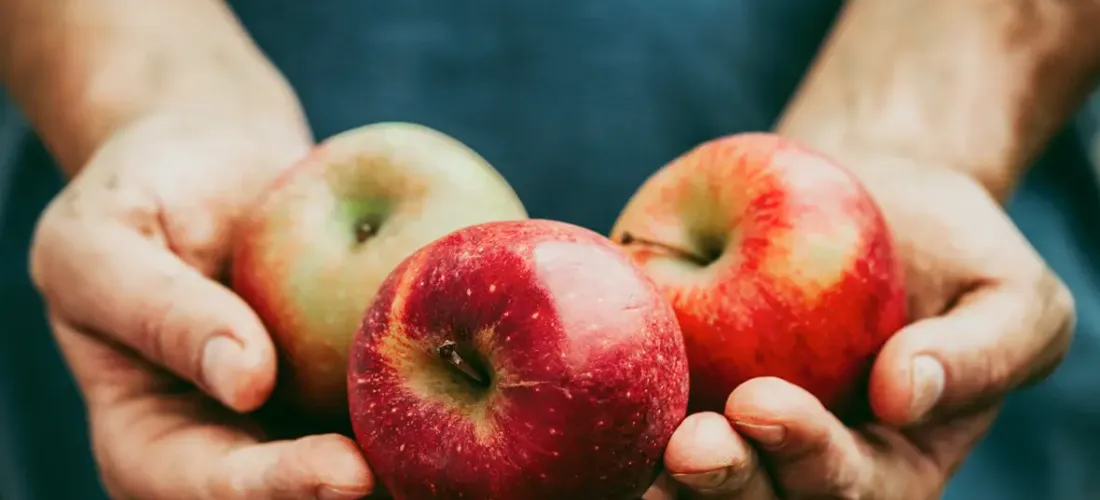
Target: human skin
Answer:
[[142, 108], [168, 121], [939, 106], [108, 108]]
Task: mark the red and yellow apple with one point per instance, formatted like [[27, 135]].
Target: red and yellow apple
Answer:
[[523, 360], [312, 254], [777, 262]]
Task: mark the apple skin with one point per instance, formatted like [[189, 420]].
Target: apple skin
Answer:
[[311, 255], [777, 262], [587, 371]]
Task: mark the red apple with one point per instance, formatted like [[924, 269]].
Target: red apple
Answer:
[[520, 360], [777, 262], [312, 254]]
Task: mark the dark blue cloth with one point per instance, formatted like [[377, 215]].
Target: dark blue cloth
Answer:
[[576, 103]]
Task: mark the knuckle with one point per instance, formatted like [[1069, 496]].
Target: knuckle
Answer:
[[1056, 316], [64, 225], [42, 243], [1062, 303], [1056, 325]]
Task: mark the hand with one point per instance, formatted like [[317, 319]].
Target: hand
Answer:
[[125, 258], [989, 316]]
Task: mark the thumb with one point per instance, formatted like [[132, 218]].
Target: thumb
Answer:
[[133, 291], [994, 340]]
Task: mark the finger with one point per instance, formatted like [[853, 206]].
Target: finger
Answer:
[[104, 373], [120, 284], [710, 460], [992, 342], [663, 489], [159, 448], [326, 466], [152, 444], [811, 454]]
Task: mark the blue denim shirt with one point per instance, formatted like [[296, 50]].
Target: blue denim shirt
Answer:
[[577, 102]]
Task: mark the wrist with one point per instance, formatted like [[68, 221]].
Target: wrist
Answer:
[[880, 156], [82, 71], [223, 97], [968, 85]]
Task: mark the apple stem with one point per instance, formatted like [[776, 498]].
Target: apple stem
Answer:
[[449, 352], [628, 239]]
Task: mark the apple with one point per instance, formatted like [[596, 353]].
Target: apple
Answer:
[[777, 262], [521, 360], [311, 255]]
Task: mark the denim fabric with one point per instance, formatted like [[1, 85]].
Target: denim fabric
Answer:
[[576, 103]]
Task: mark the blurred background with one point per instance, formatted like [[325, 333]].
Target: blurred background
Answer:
[[476, 80]]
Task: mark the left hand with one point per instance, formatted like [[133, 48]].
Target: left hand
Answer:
[[989, 316]]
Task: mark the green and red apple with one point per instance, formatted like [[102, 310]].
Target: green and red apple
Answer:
[[311, 256], [523, 360], [777, 262]]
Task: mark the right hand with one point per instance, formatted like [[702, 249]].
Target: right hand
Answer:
[[126, 258]]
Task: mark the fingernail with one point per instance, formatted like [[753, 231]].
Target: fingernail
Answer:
[[928, 381], [706, 482], [767, 435], [334, 493], [222, 358]]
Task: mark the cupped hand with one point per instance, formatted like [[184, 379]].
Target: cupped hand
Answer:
[[169, 361], [989, 317]]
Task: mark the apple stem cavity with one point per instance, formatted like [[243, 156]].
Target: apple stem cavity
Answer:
[[628, 239], [448, 351], [364, 230]]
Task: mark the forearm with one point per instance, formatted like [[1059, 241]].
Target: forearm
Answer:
[[979, 85], [81, 70]]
